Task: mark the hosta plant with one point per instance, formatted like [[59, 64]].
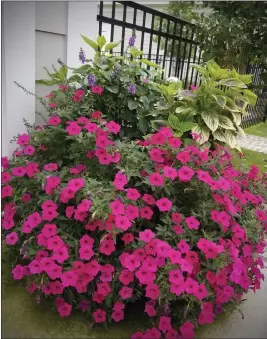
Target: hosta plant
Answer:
[[215, 108], [94, 223]]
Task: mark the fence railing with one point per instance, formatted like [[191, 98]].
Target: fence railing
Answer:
[[258, 112], [165, 40]]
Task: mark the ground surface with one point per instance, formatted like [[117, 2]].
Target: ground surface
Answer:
[[22, 317]]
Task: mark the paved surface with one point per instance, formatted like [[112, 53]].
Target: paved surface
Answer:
[[253, 142]]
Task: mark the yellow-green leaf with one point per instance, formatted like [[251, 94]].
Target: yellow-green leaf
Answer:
[[211, 120], [225, 122], [90, 42], [111, 45]]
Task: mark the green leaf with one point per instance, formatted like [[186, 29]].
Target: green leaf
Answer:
[[187, 126], [232, 83], [113, 89], [203, 131], [111, 45], [62, 73], [145, 101], [90, 42], [250, 96], [150, 63], [46, 82], [101, 41], [211, 120], [174, 122], [156, 124], [135, 52], [237, 117], [143, 125], [220, 99], [219, 135], [74, 78], [201, 70], [132, 104], [230, 138], [225, 122]]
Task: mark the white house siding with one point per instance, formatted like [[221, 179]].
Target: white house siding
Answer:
[[18, 64], [51, 43]]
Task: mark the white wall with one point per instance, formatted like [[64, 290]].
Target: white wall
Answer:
[[51, 44], [18, 64], [81, 20]]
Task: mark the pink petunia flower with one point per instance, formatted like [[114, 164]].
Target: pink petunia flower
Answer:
[[192, 223], [12, 238], [133, 194], [164, 204], [99, 316], [156, 179]]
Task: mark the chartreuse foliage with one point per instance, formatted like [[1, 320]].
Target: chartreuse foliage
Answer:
[[214, 110]]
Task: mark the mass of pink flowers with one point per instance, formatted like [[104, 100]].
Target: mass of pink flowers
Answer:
[[135, 236]]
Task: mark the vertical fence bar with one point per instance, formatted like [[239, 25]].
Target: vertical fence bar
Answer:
[[100, 22], [159, 38], [123, 28], [177, 67], [151, 39], [184, 54], [189, 56], [166, 46], [194, 61], [112, 25], [197, 74], [143, 33], [172, 48]]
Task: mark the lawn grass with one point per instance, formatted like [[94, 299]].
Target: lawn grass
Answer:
[[259, 130], [250, 158]]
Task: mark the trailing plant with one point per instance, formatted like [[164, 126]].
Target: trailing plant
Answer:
[[94, 223]]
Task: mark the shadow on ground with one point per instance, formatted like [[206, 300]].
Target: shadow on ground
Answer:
[[22, 317]]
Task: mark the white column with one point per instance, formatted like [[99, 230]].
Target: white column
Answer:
[[81, 20], [18, 64]]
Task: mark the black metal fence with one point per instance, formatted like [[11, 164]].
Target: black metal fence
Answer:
[[165, 40], [257, 113]]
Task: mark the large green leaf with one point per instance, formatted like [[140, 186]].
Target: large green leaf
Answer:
[[74, 78], [111, 45], [90, 42], [250, 96], [113, 89], [230, 138], [219, 135], [132, 104], [135, 52], [225, 122], [220, 99], [204, 133], [101, 41], [143, 125], [150, 63], [201, 70], [232, 83], [174, 122], [211, 120]]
